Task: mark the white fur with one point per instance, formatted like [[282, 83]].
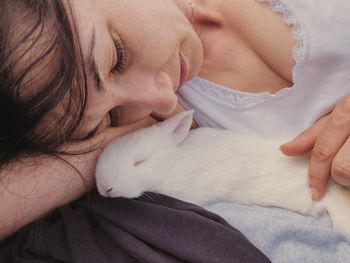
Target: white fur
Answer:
[[206, 164]]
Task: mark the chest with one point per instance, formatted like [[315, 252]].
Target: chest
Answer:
[[320, 76], [249, 48]]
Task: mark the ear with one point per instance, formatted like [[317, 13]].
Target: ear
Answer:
[[178, 126]]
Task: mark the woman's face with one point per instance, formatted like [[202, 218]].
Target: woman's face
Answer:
[[136, 54]]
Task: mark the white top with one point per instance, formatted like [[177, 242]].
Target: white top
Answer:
[[321, 77]]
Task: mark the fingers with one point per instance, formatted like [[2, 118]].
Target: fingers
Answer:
[[328, 139], [341, 165], [305, 141], [331, 147], [317, 138], [321, 163]]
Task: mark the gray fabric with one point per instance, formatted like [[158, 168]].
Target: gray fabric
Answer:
[[285, 236], [154, 228]]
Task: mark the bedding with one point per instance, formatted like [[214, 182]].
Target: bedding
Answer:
[[285, 236], [153, 228]]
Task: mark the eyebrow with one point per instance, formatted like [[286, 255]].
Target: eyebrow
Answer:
[[91, 65]]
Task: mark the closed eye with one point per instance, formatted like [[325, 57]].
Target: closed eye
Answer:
[[92, 132], [121, 55], [111, 121]]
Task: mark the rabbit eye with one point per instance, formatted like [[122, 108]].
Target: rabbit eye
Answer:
[[138, 163]]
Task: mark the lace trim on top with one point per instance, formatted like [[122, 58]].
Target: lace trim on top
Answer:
[[297, 32], [241, 99]]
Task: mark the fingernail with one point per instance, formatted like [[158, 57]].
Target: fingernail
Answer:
[[292, 141], [315, 193], [286, 144]]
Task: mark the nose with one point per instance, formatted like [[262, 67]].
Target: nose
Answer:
[[108, 192], [154, 91]]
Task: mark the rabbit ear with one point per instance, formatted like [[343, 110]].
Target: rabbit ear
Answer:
[[177, 126]]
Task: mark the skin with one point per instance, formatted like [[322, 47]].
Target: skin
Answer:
[[148, 80], [242, 56], [329, 141], [154, 34], [159, 31]]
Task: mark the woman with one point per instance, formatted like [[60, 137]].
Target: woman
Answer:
[[132, 57]]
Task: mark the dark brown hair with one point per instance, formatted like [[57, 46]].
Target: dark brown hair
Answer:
[[43, 89]]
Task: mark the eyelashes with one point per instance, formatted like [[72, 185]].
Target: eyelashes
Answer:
[[113, 121], [121, 55]]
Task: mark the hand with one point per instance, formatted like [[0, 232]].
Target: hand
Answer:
[[329, 141]]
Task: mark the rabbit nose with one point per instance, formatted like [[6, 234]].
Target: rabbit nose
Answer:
[[108, 192]]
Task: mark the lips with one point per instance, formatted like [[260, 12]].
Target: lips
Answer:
[[183, 72]]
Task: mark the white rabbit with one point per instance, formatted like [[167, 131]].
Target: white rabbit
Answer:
[[206, 164]]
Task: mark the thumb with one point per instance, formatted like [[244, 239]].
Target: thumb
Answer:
[[305, 141]]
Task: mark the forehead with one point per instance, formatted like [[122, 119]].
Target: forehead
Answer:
[[83, 17]]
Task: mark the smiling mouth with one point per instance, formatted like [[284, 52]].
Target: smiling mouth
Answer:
[[183, 71]]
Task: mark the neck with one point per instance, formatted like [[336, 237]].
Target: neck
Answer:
[[206, 13], [230, 32]]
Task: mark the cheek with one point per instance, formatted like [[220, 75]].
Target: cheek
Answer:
[[130, 114], [146, 89], [155, 31]]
